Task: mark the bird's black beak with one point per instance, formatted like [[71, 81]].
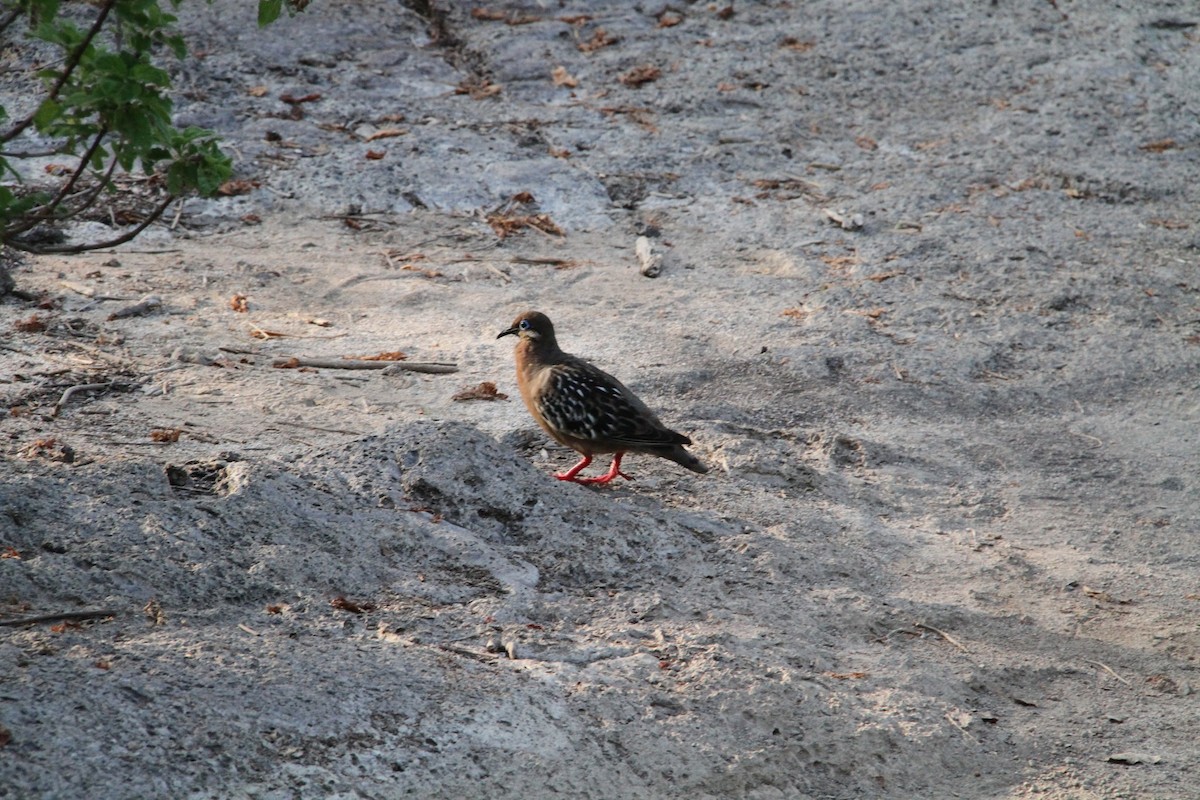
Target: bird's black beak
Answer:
[[510, 332]]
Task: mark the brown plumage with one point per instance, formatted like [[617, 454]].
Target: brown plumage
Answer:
[[585, 408]]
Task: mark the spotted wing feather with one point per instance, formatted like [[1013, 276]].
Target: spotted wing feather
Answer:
[[583, 402]]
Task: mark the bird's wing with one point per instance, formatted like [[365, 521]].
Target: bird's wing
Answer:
[[587, 403]]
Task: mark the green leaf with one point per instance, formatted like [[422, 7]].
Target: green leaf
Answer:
[[47, 113], [269, 11]]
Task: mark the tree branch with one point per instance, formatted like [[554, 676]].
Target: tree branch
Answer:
[[38, 215], [68, 68], [82, 248]]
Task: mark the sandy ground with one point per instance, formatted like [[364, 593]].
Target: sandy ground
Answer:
[[948, 547]]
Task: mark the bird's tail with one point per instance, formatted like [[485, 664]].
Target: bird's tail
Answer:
[[683, 458]]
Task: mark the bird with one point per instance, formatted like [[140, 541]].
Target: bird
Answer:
[[583, 407]]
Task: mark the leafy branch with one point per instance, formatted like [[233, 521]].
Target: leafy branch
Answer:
[[105, 104]]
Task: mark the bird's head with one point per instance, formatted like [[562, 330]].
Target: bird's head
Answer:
[[532, 326]]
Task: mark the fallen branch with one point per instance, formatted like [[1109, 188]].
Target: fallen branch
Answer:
[[65, 616], [1109, 670], [942, 634], [71, 392], [436, 367]]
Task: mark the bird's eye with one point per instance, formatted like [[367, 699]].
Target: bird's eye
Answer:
[[524, 325]]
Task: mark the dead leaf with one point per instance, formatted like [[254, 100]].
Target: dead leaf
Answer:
[[239, 303], [866, 143], [311, 97], [576, 19], [726, 13], [669, 19], [100, 663], [845, 676], [639, 76], [880, 277], [50, 449], [524, 198], [256, 91], [794, 313], [792, 43], [165, 434], [561, 77], [274, 608], [600, 38], [236, 187], [559, 152], [375, 155], [428, 273], [291, 363], [642, 116], [386, 133], [251, 219], [488, 14], [484, 391], [31, 324], [1161, 146], [10, 552], [342, 604]]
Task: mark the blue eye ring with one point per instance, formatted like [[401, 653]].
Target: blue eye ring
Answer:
[[524, 325]]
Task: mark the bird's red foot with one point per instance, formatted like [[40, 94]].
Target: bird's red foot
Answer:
[[613, 472]]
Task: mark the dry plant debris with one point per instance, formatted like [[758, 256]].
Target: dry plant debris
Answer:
[[342, 604], [385, 133], [259, 333], [31, 324], [165, 435], [561, 77], [792, 43], [239, 303], [484, 391], [235, 187], [640, 75], [478, 87], [428, 273], [493, 15], [507, 224], [600, 38], [1160, 146], [640, 115], [393, 355]]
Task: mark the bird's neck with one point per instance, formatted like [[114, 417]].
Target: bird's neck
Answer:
[[539, 352]]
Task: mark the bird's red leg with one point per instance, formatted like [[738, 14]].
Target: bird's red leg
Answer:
[[613, 472], [570, 474]]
